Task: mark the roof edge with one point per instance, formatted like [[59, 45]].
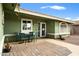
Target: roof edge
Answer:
[[21, 10]]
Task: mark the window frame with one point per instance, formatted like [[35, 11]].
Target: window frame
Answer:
[[22, 31], [65, 28]]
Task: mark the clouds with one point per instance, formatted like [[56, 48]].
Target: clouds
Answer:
[[77, 18], [68, 18], [73, 19], [55, 7]]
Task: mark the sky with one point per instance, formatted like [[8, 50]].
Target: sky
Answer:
[[68, 11]]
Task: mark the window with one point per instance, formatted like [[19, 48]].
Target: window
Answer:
[[63, 27], [26, 25]]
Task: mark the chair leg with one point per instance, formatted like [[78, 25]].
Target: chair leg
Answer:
[[31, 39], [25, 42], [28, 39]]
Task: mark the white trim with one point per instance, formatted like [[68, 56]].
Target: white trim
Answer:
[[41, 15], [67, 30], [9, 35], [57, 33], [1, 45], [26, 20]]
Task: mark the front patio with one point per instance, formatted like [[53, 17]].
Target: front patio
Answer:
[[40, 47]]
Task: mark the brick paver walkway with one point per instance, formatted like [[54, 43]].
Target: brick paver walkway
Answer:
[[74, 39], [42, 48]]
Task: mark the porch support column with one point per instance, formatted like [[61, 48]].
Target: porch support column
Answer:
[[56, 33], [1, 28]]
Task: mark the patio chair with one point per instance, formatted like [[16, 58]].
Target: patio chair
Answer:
[[7, 47], [31, 36], [18, 36], [25, 37], [21, 37]]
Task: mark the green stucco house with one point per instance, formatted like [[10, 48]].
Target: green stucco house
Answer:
[[14, 19]]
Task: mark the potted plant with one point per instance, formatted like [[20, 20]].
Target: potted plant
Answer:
[[60, 37], [7, 47]]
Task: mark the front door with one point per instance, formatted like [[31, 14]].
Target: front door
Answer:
[[42, 29], [26, 25]]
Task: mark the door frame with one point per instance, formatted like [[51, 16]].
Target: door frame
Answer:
[[41, 29], [22, 24]]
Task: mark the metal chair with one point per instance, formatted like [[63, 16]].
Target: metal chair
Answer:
[[24, 37]]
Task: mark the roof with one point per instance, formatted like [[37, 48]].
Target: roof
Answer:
[[76, 22], [42, 15]]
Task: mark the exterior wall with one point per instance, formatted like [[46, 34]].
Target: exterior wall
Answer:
[[12, 24], [74, 30], [56, 27], [50, 28], [58, 30], [1, 28], [69, 29], [35, 25]]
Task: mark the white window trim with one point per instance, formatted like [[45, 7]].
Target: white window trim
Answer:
[[60, 27], [26, 20]]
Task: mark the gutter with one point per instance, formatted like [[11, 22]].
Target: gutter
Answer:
[[20, 10]]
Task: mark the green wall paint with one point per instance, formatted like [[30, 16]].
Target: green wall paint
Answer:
[[12, 24], [57, 31], [56, 27], [36, 24], [50, 26]]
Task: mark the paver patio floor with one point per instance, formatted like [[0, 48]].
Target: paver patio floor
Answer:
[[40, 48], [74, 39]]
